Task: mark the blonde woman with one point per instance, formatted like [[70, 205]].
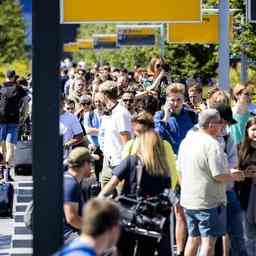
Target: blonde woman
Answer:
[[155, 178]]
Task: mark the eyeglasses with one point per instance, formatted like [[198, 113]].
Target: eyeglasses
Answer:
[[86, 103], [128, 100], [70, 108]]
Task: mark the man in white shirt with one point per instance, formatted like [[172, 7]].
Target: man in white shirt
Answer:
[[116, 127]]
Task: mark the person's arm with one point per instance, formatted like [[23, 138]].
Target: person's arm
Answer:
[[77, 139], [109, 187], [71, 215], [125, 137], [92, 131], [157, 81], [234, 175]]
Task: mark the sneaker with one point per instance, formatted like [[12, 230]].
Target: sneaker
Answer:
[[7, 176]]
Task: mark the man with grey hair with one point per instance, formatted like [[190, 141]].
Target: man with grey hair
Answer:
[[204, 173]]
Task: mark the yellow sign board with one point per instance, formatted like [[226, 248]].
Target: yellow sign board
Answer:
[[137, 31], [85, 43], [81, 11], [107, 41], [71, 47], [206, 32]]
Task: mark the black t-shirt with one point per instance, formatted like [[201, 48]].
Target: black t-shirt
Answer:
[[150, 185], [72, 194]]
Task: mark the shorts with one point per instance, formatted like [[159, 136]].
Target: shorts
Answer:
[[9, 133], [208, 222]]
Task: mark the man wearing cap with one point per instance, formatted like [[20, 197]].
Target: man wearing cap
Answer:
[[204, 173], [235, 235], [79, 166]]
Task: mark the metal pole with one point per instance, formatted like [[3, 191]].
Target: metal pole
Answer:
[[224, 45], [162, 39], [244, 69], [244, 63], [47, 157]]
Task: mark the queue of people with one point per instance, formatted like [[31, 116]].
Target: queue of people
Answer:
[[115, 122]]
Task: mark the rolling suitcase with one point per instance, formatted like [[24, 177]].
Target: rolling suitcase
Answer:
[[6, 199], [23, 158]]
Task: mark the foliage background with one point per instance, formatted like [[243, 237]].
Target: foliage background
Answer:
[[187, 60], [12, 38]]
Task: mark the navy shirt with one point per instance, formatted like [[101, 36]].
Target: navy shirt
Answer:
[[150, 185], [175, 130], [72, 194]]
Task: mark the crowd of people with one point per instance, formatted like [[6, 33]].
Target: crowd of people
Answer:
[[203, 149]]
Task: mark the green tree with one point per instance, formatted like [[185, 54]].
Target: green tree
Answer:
[[186, 60], [12, 31]]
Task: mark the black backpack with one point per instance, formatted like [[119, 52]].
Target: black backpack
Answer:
[[6, 199]]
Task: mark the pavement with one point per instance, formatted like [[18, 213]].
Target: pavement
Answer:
[[7, 224]]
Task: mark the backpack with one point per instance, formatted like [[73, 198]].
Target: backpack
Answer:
[[6, 199], [28, 215]]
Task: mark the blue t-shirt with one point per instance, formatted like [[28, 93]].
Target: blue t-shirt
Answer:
[[73, 194], [92, 120], [237, 131], [175, 130], [77, 248]]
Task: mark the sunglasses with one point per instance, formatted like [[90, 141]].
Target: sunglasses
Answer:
[[86, 103], [70, 108], [128, 100]]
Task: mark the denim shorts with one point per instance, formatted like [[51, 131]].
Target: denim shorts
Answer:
[[207, 222], [9, 133]]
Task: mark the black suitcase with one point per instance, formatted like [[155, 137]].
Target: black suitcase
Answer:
[[23, 158], [6, 199]]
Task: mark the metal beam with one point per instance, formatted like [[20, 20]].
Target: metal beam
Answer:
[[224, 45], [47, 157]]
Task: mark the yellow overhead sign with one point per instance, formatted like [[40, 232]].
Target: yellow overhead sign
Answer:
[[104, 41], [81, 11], [137, 31], [206, 32], [85, 43], [71, 47]]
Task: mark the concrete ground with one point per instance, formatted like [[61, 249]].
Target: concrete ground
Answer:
[[6, 224]]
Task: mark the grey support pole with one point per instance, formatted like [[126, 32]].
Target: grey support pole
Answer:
[[162, 39], [244, 63], [224, 45], [244, 69], [47, 158]]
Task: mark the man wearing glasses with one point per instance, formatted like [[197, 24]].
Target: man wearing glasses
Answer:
[[128, 102]]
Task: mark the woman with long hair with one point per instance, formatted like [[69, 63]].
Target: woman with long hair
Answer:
[[247, 189], [155, 178]]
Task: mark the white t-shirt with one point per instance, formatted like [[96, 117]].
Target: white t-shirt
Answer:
[[69, 126], [200, 159], [119, 121]]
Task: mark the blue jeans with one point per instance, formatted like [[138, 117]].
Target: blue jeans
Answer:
[[9, 133], [206, 222], [235, 225], [249, 236]]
